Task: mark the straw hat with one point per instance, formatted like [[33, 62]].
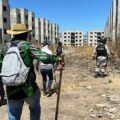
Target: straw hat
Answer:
[[18, 29]]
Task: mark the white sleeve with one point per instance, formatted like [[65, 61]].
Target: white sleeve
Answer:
[[108, 52], [94, 54]]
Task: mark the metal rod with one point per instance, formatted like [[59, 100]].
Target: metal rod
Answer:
[[58, 95]]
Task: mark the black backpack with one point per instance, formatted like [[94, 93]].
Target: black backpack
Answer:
[[59, 51], [101, 50]]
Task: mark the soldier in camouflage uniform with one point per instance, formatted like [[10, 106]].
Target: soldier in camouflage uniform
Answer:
[[101, 54]]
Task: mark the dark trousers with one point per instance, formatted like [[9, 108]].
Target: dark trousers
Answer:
[[45, 73], [2, 92]]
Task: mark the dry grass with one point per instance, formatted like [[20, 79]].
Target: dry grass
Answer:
[[114, 50], [84, 52]]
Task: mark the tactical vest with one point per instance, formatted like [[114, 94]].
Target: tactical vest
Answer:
[[59, 51], [101, 50]]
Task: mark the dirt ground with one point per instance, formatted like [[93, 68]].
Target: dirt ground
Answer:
[[83, 97]]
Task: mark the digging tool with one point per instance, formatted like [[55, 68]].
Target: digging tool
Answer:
[[58, 95]]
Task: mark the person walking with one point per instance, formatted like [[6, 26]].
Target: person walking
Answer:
[[46, 70], [101, 53], [60, 53], [27, 91], [59, 49]]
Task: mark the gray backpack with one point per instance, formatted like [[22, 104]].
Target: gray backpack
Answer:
[[14, 72]]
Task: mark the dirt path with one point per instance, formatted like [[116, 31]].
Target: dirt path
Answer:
[[83, 97]]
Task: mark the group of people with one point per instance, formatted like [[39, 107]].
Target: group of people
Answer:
[[47, 70], [26, 90]]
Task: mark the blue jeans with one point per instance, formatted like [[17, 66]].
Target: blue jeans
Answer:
[[15, 107], [45, 73]]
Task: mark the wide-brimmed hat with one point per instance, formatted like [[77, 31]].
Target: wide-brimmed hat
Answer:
[[18, 29]]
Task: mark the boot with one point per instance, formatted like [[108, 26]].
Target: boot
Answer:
[[49, 91]]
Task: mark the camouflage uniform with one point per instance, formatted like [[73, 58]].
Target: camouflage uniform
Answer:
[[101, 61], [101, 64]]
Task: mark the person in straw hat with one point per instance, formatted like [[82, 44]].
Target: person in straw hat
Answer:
[[28, 91]]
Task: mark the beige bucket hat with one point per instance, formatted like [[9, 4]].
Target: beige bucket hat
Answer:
[[18, 29]]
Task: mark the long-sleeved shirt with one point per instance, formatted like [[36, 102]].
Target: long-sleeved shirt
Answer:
[[33, 53], [46, 49], [28, 53]]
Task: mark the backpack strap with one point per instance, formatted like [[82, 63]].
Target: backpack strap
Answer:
[[17, 44], [8, 44], [20, 44]]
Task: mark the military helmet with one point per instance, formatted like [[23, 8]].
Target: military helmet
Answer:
[[102, 40]]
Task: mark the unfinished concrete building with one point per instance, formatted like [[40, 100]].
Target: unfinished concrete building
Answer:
[[72, 38], [94, 36], [4, 20], [37, 30], [31, 24], [112, 27], [15, 16], [55, 33], [42, 29], [24, 16]]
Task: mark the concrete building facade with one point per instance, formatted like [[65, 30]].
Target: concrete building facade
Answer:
[[4, 20], [24, 16], [118, 18], [42, 29], [85, 40], [55, 33], [15, 16], [107, 28], [31, 24], [37, 30], [94, 36], [72, 38], [49, 32], [114, 19], [112, 27]]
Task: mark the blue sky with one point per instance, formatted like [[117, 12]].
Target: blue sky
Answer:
[[69, 14]]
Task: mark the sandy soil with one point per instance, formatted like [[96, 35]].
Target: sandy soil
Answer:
[[80, 93]]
